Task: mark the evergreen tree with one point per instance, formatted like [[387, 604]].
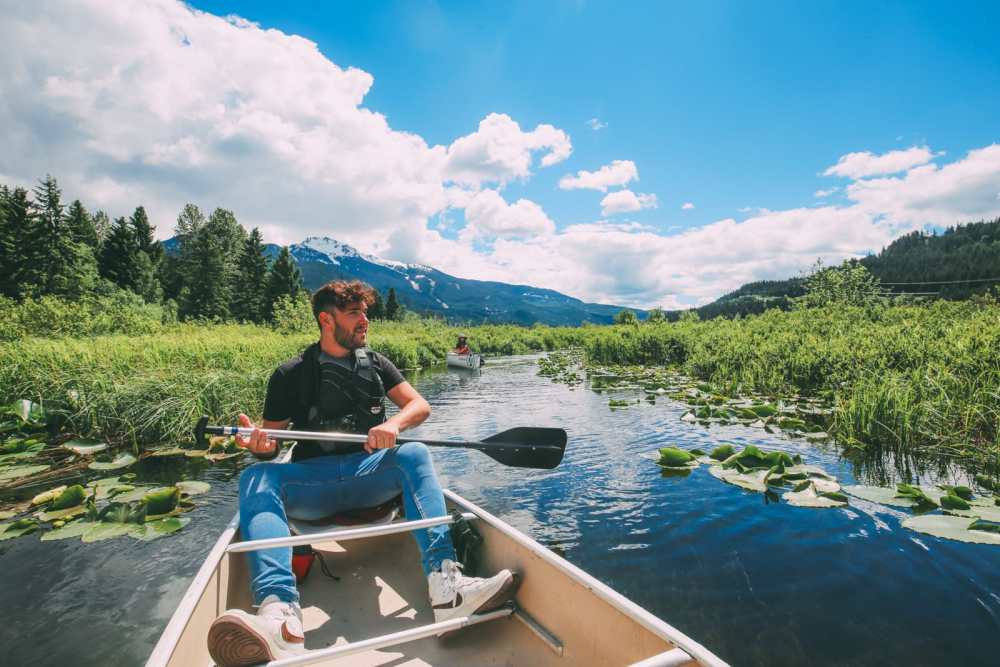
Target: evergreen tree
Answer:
[[8, 246], [81, 225], [206, 292], [143, 230], [147, 279], [49, 246], [17, 216], [118, 260], [284, 279], [393, 311], [376, 311], [250, 291]]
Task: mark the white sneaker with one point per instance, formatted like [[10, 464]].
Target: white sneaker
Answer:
[[238, 639], [454, 595]]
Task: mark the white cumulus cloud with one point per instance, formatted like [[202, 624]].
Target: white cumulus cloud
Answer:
[[499, 151], [625, 201], [619, 172], [489, 216], [863, 164], [595, 124], [687, 206]]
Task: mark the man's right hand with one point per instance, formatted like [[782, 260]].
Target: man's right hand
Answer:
[[258, 443]]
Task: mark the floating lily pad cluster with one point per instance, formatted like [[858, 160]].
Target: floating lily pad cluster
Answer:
[[106, 508], [770, 472], [562, 366], [219, 448], [964, 516], [22, 429], [797, 416]]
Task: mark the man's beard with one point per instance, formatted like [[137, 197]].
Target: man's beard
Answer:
[[345, 338]]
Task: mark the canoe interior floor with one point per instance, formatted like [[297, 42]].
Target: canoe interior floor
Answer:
[[382, 590]]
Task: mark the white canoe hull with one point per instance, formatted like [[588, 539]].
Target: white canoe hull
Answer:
[[465, 360], [569, 618]]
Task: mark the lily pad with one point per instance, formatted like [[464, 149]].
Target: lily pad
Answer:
[[810, 496], [192, 487], [48, 496], [132, 494], [85, 447], [221, 456], [62, 514], [105, 531], [168, 451], [7, 515], [950, 528], [879, 494], [161, 528], [72, 529], [18, 528], [121, 461], [17, 472], [987, 513], [751, 481]]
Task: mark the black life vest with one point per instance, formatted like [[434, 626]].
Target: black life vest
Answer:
[[343, 397]]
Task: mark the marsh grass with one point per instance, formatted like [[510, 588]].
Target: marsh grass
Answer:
[[921, 379], [152, 388]]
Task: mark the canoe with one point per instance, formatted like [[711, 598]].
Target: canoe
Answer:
[[378, 613], [465, 360]]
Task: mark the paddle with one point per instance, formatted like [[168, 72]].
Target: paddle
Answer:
[[521, 447]]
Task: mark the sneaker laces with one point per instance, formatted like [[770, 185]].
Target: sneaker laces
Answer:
[[451, 575]]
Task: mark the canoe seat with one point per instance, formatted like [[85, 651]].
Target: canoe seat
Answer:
[[387, 512]]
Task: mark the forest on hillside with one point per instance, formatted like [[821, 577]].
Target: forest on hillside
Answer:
[[955, 264]]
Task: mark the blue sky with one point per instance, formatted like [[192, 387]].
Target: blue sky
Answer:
[[723, 104], [440, 132]]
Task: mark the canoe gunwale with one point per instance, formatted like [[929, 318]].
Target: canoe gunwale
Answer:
[[645, 618], [178, 622]]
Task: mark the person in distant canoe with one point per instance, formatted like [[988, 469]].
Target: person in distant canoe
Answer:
[[462, 347], [338, 384]]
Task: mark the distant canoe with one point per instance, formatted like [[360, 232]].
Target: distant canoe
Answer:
[[465, 360]]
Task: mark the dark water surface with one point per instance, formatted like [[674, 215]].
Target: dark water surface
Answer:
[[757, 583]]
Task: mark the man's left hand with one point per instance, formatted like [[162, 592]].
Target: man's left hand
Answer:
[[382, 436]]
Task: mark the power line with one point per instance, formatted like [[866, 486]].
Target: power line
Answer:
[[947, 282]]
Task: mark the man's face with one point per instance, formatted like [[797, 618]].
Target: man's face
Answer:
[[351, 325]]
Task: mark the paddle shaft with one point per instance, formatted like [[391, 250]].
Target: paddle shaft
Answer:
[[279, 434], [522, 447]]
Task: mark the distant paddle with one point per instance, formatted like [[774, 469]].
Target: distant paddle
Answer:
[[521, 447]]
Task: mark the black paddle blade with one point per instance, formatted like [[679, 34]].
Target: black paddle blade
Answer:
[[527, 447]]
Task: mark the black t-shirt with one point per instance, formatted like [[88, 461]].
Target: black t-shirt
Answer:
[[290, 394]]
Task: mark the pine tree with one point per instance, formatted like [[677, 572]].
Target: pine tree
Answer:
[[376, 311], [284, 279], [118, 262], [50, 246], [393, 311], [206, 292], [250, 291], [7, 247], [147, 282], [80, 225], [13, 266]]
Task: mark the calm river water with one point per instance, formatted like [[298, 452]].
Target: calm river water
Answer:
[[757, 583]]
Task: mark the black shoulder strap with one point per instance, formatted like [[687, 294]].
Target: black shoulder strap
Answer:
[[309, 375]]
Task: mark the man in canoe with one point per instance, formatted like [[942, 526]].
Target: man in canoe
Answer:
[[338, 384], [462, 347]]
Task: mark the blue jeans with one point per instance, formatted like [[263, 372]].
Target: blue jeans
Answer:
[[319, 487]]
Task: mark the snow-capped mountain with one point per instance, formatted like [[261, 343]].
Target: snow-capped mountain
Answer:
[[425, 289]]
